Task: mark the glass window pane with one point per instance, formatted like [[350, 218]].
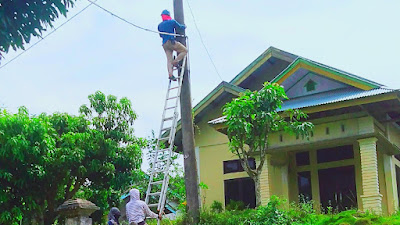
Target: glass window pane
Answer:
[[233, 166], [335, 154], [302, 158], [304, 186], [252, 163]]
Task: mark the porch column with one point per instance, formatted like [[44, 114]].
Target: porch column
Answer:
[[265, 181], [391, 184], [371, 198]]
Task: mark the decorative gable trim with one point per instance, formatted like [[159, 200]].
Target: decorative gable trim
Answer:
[[329, 72], [265, 56]]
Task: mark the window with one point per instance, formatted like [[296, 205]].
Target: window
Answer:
[[310, 86], [335, 154], [337, 188], [241, 189], [233, 166], [302, 159], [304, 186]]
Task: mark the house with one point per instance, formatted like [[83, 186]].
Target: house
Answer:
[[350, 161]]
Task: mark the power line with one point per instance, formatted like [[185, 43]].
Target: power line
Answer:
[[201, 39], [137, 26], [55, 29]]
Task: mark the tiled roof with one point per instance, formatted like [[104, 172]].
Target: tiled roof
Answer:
[[324, 98]]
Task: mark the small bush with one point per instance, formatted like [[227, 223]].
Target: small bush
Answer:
[[235, 205], [274, 213], [216, 207]]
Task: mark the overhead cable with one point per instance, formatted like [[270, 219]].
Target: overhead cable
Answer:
[[201, 39], [51, 32], [137, 26]]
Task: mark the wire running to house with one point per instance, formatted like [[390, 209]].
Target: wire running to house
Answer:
[[51, 32], [132, 24], [202, 41]]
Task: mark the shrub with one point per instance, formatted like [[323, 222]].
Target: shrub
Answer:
[[216, 207], [235, 205]]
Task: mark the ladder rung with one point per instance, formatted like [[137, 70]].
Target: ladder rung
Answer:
[[162, 150], [174, 88], [168, 118], [162, 160], [157, 182], [162, 170], [172, 107], [164, 138], [172, 97], [155, 193], [153, 205], [167, 128]]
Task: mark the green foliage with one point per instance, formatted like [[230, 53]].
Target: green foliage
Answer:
[[276, 213], [216, 207], [235, 205], [252, 117], [20, 20], [47, 159]]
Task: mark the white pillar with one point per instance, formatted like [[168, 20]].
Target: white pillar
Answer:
[[371, 197]]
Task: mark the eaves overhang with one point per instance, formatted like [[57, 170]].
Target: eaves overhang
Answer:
[[330, 101]]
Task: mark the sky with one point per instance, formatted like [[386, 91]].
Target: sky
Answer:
[[96, 51]]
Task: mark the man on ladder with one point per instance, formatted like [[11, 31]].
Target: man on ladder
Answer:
[[168, 25], [156, 193]]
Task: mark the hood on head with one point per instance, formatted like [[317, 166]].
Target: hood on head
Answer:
[[165, 12], [114, 214], [134, 194]]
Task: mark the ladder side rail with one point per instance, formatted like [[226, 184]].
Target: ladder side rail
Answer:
[[153, 168], [171, 141], [166, 177], [164, 111], [147, 199], [176, 113], [166, 182]]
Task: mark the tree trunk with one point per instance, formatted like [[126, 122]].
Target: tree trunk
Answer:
[[257, 186]]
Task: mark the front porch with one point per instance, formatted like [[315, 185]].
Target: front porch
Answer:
[[349, 162]]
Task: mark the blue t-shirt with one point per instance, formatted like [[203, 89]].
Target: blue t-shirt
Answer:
[[169, 26]]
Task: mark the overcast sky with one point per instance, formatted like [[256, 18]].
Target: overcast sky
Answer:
[[96, 51]]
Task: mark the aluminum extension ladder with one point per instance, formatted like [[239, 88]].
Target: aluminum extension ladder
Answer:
[[158, 184]]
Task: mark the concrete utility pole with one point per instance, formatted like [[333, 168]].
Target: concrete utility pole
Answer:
[[190, 164]]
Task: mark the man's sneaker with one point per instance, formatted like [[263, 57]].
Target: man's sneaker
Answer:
[[172, 77]]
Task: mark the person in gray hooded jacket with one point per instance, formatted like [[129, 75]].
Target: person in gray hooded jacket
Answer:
[[137, 210]]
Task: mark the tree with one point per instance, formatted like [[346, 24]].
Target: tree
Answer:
[[47, 159], [252, 117], [20, 20]]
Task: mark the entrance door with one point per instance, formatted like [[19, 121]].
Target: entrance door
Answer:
[[337, 188]]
